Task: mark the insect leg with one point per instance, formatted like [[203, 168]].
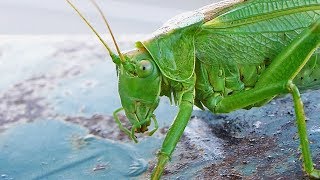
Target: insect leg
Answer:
[[283, 68], [156, 126], [125, 130], [249, 97], [293, 58], [174, 133], [133, 129], [257, 94], [302, 131]]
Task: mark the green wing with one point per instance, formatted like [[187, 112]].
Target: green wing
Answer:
[[254, 32], [174, 52]]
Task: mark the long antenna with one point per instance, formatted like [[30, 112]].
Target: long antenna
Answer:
[[95, 32], [108, 26]]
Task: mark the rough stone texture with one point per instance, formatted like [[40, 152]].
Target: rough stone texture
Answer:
[[260, 143]]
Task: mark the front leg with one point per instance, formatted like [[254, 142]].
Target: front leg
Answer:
[[174, 133]]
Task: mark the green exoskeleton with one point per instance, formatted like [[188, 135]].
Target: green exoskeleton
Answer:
[[226, 56]]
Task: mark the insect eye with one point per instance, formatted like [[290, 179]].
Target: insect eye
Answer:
[[145, 68]]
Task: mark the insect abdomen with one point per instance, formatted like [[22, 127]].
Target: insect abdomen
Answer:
[[216, 82], [309, 76], [225, 80]]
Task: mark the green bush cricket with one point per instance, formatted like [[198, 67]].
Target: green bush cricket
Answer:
[[227, 56]]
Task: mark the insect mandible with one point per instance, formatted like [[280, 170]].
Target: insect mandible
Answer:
[[227, 56]]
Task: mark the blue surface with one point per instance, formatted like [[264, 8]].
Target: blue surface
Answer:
[[50, 149], [57, 80]]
